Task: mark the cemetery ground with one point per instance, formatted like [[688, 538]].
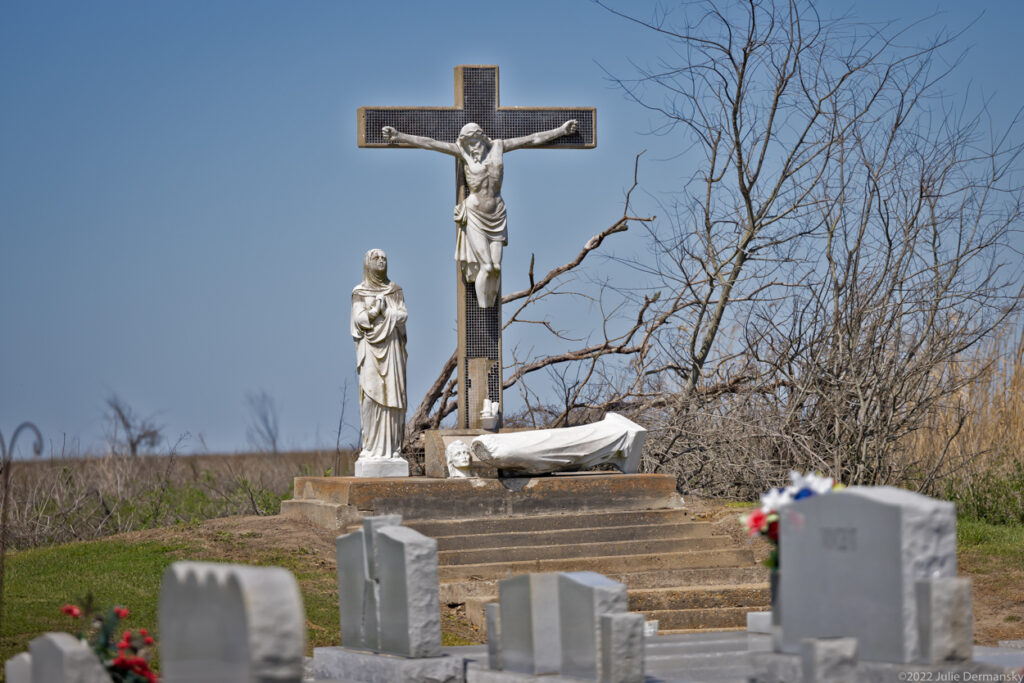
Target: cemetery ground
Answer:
[[125, 569]]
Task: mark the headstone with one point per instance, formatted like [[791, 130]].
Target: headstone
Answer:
[[564, 626], [583, 597], [62, 658], [849, 567], [410, 612], [492, 614], [390, 610], [18, 669], [230, 624], [530, 635], [945, 619], [829, 660], [622, 648], [357, 584], [388, 589]]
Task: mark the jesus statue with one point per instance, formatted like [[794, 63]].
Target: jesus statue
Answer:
[[482, 229]]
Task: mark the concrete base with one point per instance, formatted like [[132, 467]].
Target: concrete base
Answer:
[[383, 467], [358, 666], [338, 502]]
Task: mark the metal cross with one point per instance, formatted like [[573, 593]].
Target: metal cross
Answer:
[[476, 101]]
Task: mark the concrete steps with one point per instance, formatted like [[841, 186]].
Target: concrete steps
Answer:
[[676, 570], [631, 528]]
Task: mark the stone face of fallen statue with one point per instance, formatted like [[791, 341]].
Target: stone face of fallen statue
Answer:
[[615, 440]]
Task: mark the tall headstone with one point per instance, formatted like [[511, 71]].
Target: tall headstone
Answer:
[[583, 597], [530, 634], [476, 101], [229, 623], [388, 589], [570, 624], [850, 566]]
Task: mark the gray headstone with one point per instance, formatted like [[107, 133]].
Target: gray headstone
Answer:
[[358, 590], [583, 597], [388, 589], [829, 660], [850, 562], [622, 648], [492, 614], [230, 624], [62, 658], [18, 669], [410, 612], [530, 634], [945, 617], [352, 573]]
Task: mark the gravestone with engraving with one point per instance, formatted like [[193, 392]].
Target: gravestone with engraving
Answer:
[[857, 563]]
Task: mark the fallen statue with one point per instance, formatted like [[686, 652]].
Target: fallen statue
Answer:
[[615, 440]]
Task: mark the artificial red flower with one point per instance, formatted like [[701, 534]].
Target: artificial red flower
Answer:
[[773, 531], [143, 632], [72, 611], [121, 612], [755, 520], [149, 640]]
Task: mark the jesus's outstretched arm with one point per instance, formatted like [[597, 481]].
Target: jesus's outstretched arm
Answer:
[[543, 137], [392, 135]]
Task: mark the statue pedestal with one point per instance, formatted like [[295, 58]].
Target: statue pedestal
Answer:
[[382, 467], [338, 502]]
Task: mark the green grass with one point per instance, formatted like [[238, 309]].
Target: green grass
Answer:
[[39, 582], [984, 538]]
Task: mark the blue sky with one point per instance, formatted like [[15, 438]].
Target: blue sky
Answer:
[[184, 210]]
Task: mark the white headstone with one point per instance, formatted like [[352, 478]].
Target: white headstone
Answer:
[[583, 597], [388, 589], [530, 634], [850, 562], [62, 658], [18, 669], [229, 623]]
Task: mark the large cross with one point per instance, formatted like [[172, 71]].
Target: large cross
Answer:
[[476, 101]]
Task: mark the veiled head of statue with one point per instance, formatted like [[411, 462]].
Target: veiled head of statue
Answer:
[[375, 267]]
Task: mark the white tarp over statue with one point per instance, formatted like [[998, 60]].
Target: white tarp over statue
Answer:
[[615, 440]]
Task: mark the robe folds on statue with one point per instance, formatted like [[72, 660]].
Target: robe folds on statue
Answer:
[[380, 361], [615, 440]]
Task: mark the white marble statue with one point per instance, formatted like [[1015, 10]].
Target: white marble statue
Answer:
[[457, 455], [615, 440], [378, 328], [481, 217]]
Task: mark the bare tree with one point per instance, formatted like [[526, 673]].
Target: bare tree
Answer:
[[129, 432], [625, 328], [840, 245], [263, 432]]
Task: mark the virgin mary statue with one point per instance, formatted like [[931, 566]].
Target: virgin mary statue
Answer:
[[378, 328]]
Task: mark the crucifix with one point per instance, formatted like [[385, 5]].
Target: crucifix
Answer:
[[477, 131]]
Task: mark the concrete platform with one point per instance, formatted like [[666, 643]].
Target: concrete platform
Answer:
[[337, 502]]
